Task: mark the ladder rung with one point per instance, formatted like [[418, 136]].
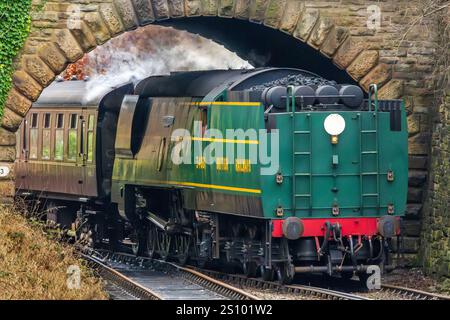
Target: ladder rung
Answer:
[[369, 173], [370, 195], [368, 131], [302, 153], [369, 152], [302, 174], [303, 195], [302, 132]]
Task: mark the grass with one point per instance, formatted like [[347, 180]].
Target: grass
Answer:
[[34, 266]]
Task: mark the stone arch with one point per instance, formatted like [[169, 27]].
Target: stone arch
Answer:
[[58, 37]]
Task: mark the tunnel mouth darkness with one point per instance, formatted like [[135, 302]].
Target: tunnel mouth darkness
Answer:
[[261, 45]]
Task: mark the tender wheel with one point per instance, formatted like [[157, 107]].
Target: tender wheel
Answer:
[[285, 273], [182, 245], [139, 246], [163, 244], [152, 238], [250, 269], [267, 274]]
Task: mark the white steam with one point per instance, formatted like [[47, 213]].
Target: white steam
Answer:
[[113, 64]]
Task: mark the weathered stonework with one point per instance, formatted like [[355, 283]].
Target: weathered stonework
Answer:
[[336, 29]]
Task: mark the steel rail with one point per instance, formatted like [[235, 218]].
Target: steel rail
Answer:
[[307, 291], [193, 276], [413, 294], [125, 283]]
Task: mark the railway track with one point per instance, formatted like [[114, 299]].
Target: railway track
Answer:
[[214, 281], [303, 290], [148, 279], [412, 294]]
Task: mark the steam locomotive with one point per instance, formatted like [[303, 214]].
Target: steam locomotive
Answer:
[[272, 172]]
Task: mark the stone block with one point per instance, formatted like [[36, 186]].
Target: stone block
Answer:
[[7, 138], [193, 8], [415, 195], [258, 10], [176, 8], [335, 38], [274, 13], [419, 144], [7, 153], [126, 12], [413, 211], [413, 122], [391, 90], [10, 120], [17, 102], [348, 52], [408, 244], [366, 61], [68, 45], [320, 32], [161, 9], [53, 57], [418, 162], [111, 18], [226, 8], [144, 11], [98, 27], [84, 36], [417, 178], [242, 9], [306, 23], [379, 75], [411, 228], [292, 13], [38, 69], [209, 7], [6, 189], [26, 85]]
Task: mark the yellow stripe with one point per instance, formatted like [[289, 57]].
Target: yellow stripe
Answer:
[[234, 104], [213, 186], [226, 140]]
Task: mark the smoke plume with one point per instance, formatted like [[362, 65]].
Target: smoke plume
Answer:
[[152, 50]]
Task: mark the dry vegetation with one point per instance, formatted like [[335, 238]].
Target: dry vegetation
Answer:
[[32, 266]]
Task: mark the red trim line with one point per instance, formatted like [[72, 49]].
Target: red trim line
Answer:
[[316, 227]]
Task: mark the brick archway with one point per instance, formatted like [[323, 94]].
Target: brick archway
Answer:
[[62, 38], [335, 29]]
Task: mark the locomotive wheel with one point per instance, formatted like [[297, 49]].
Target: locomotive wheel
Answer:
[[151, 241], [285, 274], [267, 274], [163, 244], [139, 246], [250, 269], [182, 245]]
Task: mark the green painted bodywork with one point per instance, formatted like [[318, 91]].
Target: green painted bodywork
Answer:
[[357, 183]]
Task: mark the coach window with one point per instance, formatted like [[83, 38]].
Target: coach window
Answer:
[[46, 137], [59, 137], [90, 138], [34, 136], [72, 144]]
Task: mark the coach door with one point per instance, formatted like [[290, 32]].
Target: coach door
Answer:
[[86, 153]]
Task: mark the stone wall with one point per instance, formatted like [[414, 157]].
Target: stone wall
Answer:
[[435, 245], [398, 55]]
